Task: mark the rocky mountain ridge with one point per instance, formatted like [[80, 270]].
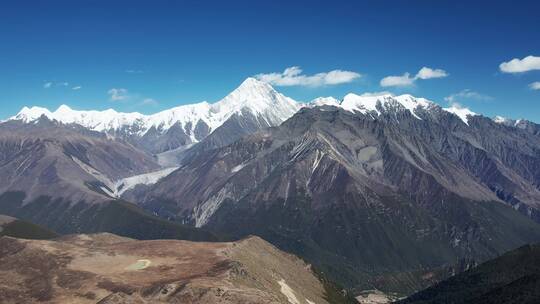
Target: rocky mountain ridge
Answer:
[[328, 180], [253, 105], [105, 268], [181, 125]]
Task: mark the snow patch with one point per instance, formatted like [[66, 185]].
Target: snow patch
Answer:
[[318, 156], [107, 191], [96, 174], [288, 292], [203, 212], [122, 185], [500, 119], [507, 121], [151, 178], [237, 168], [172, 157]]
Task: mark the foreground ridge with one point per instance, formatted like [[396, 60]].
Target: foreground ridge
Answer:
[[106, 268]]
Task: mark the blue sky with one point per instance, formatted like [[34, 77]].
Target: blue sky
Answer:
[[159, 54]]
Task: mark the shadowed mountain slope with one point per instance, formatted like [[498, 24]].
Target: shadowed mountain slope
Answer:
[[67, 162], [362, 193], [114, 216], [511, 278], [10, 226]]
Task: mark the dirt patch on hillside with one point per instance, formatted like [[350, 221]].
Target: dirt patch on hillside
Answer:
[[105, 268]]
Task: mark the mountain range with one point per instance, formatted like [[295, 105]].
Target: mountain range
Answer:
[[376, 191], [253, 105]]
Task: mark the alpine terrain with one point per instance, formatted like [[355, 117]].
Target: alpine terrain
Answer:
[[105, 268], [376, 191], [269, 152], [379, 191]]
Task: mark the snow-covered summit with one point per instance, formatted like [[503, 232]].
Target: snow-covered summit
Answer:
[[501, 120], [252, 95], [507, 121], [324, 101], [30, 114], [376, 103], [259, 98], [462, 113], [518, 123], [95, 120], [367, 103]]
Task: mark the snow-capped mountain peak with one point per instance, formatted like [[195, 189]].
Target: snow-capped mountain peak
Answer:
[[324, 101], [260, 99], [31, 114], [256, 96], [518, 123], [252, 85], [503, 120], [252, 95], [95, 120], [63, 108], [185, 115], [462, 113], [367, 103]]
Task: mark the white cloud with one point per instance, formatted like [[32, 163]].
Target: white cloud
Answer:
[[428, 73], [339, 77], [293, 76], [149, 101], [75, 88], [406, 79], [50, 84], [118, 94], [466, 94], [535, 85], [134, 71], [371, 94], [516, 65], [456, 105]]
